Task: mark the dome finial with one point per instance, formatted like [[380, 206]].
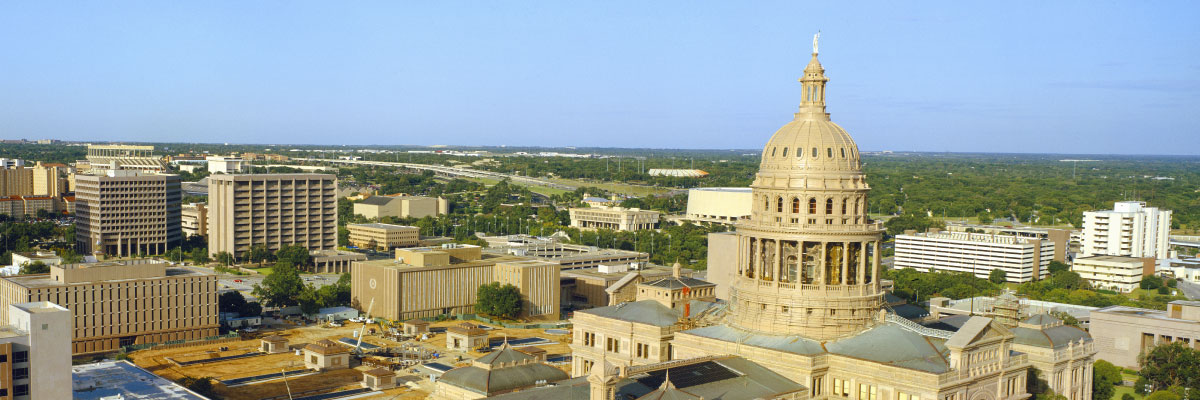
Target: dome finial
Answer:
[[815, 37]]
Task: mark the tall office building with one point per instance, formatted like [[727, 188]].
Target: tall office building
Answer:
[[109, 157], [124, 212], [1130, 229], [48, 179], [115, 304], [272, 210], [16, 181]]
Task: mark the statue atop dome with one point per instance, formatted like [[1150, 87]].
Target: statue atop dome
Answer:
[[815, 37]]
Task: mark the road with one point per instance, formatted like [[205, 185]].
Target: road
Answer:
[[245, 283], [449, 171], [1191, 290]]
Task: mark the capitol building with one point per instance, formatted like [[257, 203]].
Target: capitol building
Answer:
[[805, 308]]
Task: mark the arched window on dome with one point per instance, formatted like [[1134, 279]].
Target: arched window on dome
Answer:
[[828, 206], [785, 152], [773, 151], [843, 152], [795, 205], [778, 204], [812, 205], [829, 151], [814, 152]]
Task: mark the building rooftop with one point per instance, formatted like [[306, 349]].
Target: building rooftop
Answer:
[[377, 225], [108, 379], [724, 378], [887, 344], [649, 312], [1120, 259], [45, 280], [1145, 313], [725, 189], [678, 283]]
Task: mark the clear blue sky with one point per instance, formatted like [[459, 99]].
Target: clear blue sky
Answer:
[[1044, 76]]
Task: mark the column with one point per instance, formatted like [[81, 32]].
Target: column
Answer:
[[862, 264], [778, 260], [821, 265], [845, 258], [875, 263]]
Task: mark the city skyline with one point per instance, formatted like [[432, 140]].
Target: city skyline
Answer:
[[929, 77]]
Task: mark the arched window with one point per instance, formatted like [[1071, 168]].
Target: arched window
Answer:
[[829, 151], [814, 152], [785, 152], [795, 205], [828, 206], [812, 206], [773, 151], [843, 152], [778, 204], [844, 207], [766, 203]]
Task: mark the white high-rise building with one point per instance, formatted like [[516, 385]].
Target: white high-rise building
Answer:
[[1021, 259], [1130, 229]]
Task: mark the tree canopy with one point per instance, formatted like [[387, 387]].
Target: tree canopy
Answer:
[[496, 300]]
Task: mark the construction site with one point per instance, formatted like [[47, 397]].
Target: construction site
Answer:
[[336, 361]]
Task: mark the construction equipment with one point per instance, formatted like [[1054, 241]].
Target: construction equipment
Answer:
[[364, 327]]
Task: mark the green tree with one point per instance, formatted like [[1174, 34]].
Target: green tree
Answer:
[[309, 300], [282, 288], [1127, 396], [200, 256], [224, 258], [998, 276], [496, 300], [36, 267], [1172, 364], [1057, 266], [295, 255], [1151, 282], [1105, 379], [1162, 395], [231, 301], [259, 253]]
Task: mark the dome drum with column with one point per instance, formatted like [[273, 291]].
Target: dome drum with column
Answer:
[[809, 255]]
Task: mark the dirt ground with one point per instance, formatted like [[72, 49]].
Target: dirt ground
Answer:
[[155, 361]]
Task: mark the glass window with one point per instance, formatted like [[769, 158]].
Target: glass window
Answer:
[[814, 152], [812, 206], [773, 151], [843, 152], [785, 152], [829, 152]]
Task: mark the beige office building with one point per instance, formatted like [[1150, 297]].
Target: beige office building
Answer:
[[1060, 237], [271, 210], [430, 281], [383, 236], [376, 207], [35, 351], [122, 213], [615, 218], [1122, 333], [194, 219], [1122, 274], [16, 181], [49, 179], [115, 304]]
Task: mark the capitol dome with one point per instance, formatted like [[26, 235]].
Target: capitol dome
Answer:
[[811, 142]]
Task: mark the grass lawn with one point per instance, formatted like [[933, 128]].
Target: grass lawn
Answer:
[[623, 188], [1121, 390], [261, 271], [547, 191]]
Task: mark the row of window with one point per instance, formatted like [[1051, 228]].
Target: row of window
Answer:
[[815, 153], [812, 205]]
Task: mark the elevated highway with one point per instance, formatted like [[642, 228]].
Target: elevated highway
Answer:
[[442, 170]]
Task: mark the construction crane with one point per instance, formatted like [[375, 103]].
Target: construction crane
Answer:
[[363, 330]]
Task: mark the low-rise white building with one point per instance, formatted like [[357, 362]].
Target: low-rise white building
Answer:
[[1021, 259], [225, 165], [1122, 274], [719, 204], [615, 218]]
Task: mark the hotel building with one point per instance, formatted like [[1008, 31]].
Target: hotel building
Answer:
[[1122, 274]]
